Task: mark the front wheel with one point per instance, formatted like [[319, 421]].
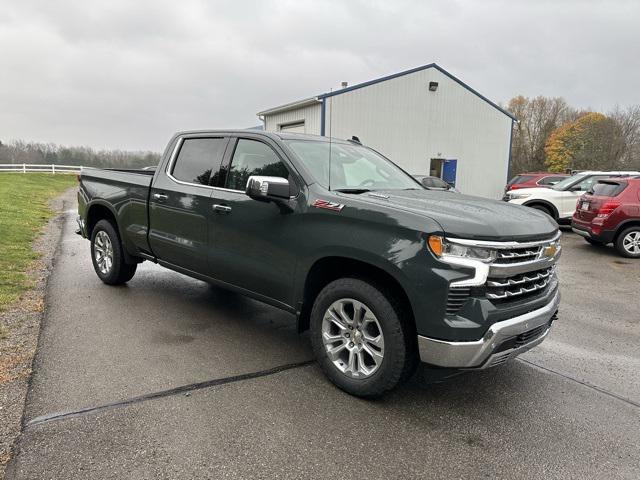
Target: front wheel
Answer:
[[628, 242], [108, 256], [361, 338]]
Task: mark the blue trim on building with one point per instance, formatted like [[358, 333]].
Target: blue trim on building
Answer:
[[414, 70], [323, 108]]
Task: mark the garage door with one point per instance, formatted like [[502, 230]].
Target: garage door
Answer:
[[293, 128]]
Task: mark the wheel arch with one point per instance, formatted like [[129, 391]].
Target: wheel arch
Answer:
[[97, 211], [544, 203], [329, 268], [635, 222]]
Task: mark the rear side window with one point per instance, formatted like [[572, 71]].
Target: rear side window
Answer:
[[253, 158], [550, 180], [520, 179], [198, 158], [608, 189]]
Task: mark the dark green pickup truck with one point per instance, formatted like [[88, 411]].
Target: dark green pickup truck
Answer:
[[383, 272]]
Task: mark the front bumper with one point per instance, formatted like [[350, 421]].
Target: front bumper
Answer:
[[502, 341]]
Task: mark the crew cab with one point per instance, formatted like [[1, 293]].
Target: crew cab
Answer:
[[383, 272], [559, 201], [610, 213]]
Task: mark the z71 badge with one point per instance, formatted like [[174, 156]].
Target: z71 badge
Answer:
[[336, 207]]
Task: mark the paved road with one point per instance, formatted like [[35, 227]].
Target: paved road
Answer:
[[569, 409]]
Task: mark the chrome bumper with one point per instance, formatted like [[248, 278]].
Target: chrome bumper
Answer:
[[480, 354]]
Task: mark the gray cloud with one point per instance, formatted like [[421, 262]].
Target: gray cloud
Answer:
[[123, 74]]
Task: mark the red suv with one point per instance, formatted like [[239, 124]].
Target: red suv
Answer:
[[533, 180], [610, 213]]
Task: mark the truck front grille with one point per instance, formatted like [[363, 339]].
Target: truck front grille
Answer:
[[517, 255], [519, 286]]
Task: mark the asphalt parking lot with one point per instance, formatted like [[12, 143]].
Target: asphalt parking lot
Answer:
[[117, 389]]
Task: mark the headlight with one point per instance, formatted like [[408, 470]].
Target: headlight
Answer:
[[519, 195], [441, 248]]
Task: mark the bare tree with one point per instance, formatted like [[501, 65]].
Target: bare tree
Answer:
[[629, 121], [537, 118]]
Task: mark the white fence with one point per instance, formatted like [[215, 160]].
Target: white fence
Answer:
[[33, 167]]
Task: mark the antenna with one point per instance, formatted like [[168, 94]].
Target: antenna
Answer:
[[330, 127]]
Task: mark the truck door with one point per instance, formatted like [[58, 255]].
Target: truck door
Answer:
[[180, 202], [252, 245]]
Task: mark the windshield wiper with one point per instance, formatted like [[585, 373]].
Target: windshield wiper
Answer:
[[352, 190]]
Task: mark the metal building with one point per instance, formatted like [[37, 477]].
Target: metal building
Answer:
[[424, 119]]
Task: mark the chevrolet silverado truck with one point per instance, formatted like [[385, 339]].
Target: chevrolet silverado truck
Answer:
[[383, 272]]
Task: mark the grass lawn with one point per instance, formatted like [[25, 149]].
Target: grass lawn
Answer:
[[23, 213]]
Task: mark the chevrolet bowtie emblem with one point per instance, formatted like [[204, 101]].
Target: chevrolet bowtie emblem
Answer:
[[549, 251]]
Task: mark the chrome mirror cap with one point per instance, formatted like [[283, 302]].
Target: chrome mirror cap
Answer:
[[267, 188]]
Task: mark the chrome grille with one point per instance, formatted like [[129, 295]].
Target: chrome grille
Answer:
[[517, 255], [519, 285], [456, 298]]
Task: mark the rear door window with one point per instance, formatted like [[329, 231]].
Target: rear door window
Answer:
[[197, 159]]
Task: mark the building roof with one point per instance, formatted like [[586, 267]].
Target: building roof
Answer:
[[322, 96]]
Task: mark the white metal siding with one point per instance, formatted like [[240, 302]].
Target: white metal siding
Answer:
[[403, 120], [309, 114]]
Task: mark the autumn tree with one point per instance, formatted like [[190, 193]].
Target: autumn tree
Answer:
[[592, 142], [537, 118]]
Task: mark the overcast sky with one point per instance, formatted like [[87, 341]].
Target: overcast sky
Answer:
[[127, 74]]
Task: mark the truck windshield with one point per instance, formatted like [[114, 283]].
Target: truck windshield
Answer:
[[354, 168]]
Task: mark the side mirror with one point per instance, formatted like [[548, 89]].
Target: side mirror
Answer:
[[271, 189], [268, 188], [576, 188]]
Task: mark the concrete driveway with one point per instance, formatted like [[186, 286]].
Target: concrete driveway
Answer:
[[168, 377]]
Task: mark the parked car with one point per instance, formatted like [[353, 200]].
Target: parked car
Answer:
[[382, 272], [535, 179], [559, 201], [435, 183], [610, 213]]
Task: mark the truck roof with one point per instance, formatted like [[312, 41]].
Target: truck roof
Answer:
[[273, 135]]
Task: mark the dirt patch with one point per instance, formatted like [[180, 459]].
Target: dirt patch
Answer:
[[19, 329]]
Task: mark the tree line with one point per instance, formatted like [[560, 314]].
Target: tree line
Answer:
[[550, 135], [19, 152]]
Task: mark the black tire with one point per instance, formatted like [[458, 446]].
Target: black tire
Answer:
[[120, 271], [620, 239], [400, 351], [593, 242], [543, 209]]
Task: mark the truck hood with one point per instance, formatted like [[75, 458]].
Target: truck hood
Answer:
[[465, 216]]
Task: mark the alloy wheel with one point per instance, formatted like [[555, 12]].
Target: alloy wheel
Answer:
[[631, 242], [353, 338], [103, 252]]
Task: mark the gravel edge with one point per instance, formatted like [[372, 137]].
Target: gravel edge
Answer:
[[23, 319]]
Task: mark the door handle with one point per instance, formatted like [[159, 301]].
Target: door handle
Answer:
[[221, 208], [161, 197]]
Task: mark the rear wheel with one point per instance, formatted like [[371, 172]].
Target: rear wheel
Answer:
[[108, 256], [628, 242], [361, 338]]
